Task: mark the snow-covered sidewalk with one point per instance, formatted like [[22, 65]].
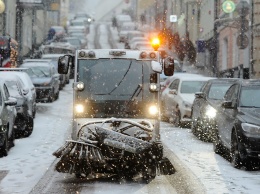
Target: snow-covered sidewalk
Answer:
[[31, 157]]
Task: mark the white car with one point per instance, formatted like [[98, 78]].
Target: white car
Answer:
[[24, 74], [177, 98]]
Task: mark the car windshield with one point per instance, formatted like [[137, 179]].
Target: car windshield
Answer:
[[218, 90], [249, 96], [40, 71], [57, 50], [74, 41], [13, 88], [189, 87], [115, 83], [77, 23]]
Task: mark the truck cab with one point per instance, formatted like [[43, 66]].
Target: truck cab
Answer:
[[115, 83]]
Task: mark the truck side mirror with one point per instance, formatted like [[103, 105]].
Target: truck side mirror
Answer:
[[63, 64], [168, 66]]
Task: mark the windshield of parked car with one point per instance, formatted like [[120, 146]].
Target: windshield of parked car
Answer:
[[218, 90], [189, 87], [74, 41], [12, 88], [57, 50], [249, 96], [41, 71]]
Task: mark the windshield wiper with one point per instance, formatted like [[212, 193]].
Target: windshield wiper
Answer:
[[132, 98], [249, 107], [43, 73]]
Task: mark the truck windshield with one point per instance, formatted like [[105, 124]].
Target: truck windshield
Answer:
[[115, 87]]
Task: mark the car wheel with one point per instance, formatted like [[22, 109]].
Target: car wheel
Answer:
[[163, 115], [29, 127], [34, 112], [51, 96], [177, 118], [57, 95], [236, 160], [193, 124], [217, 145], [11, 139], [4, 147]]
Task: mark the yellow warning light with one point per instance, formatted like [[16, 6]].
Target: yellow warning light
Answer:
[[155, 43]]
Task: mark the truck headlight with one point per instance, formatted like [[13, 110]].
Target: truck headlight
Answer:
[[153, 110], [210, 112], [80, 86], [252, 129], [79, 108], [153, 87]]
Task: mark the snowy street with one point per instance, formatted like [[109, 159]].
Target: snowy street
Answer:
[[199, 169]]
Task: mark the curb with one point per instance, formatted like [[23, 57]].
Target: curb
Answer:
[[183, 180]]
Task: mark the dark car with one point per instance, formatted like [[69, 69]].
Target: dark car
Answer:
[[7, 119], [205, 104], [45, 80], [24, 119], [238, 122]]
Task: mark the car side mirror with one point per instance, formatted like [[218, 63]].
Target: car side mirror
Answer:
[[200, 95], [11, 101], [227, 104], [168, 66], [174, 92], [63, 63]]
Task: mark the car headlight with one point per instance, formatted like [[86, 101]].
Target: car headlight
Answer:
[[79, 108], [153, 110], [252, 129], [210, 112]]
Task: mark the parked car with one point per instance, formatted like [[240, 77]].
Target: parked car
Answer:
[[166, 80], [121, 19], [45, 80], [127, 26], [130, 35], [24, 74], [64, 78], [24, 119], [44, 58], [238, 122], [7, 119], [137, 39], [204, 107], [74, 41], [177, 98]]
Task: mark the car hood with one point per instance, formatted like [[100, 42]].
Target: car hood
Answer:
[[188, 98], [41, 80], [250, 115]]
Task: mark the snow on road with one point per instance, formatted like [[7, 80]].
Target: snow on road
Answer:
[[31, 157], [215, 173]]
